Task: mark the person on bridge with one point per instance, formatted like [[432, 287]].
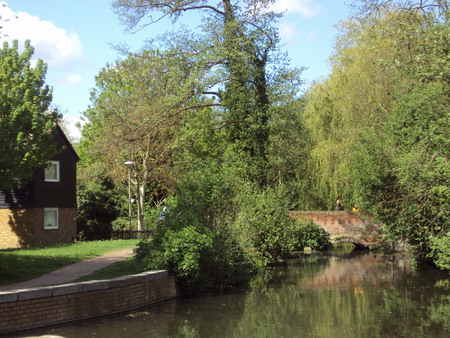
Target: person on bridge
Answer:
[[355, 207], [339, 206]]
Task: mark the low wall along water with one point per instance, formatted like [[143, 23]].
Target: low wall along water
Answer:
[[38, 307]]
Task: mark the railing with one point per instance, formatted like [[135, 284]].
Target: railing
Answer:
[[114, 234]]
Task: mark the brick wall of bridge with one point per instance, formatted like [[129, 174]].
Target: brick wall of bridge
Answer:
[[337, 223]]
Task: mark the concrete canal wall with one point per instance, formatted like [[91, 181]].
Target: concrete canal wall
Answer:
[[39, 307]]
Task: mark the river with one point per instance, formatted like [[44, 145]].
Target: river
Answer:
[[322, 295]]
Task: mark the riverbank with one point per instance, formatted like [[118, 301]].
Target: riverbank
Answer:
[[39, 307]]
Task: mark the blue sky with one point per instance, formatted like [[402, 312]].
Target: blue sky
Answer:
[[74, 38]]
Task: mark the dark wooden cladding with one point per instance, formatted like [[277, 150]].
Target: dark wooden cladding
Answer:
[[42, 194], [22, 197]]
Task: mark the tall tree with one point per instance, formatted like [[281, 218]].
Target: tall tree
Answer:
[[390, 129], [409, 191], [433, 9], [357, 97], [26, 124], [137, 108], [236, 53]]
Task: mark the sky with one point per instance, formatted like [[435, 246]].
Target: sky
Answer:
[[75, 39]]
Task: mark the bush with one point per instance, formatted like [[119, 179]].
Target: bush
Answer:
[[264, 225], [222, 248], [313, 236], [440, 250], [199, 261]]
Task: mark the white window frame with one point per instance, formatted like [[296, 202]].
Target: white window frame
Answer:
[[55, 226], [56, 164]]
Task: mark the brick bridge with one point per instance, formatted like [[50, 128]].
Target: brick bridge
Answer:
[[343, 226]]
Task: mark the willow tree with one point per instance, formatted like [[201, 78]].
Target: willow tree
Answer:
[[236, 51], [380, 121], [356, 98], [407, 188]]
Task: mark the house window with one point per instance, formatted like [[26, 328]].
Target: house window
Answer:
[[51, 218], [52, 172]]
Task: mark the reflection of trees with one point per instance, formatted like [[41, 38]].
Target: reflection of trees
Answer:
[[213, 316], [288, 306], [365, 307]]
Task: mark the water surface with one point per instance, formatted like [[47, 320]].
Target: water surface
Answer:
[[316, 295]]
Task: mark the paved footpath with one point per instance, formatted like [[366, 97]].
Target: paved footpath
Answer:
[[72, 272]]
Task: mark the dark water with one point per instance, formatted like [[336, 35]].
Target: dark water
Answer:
[[343, 295]]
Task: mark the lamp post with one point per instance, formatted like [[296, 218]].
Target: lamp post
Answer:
[[129, 165]]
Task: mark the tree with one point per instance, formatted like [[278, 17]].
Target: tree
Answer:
[[26, 124], [235, 51], [137, 108], [214, 234], [434, 9], [357, 97], [400, 172], [98, 200]]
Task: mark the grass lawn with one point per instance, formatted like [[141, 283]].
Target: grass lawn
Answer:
[[19, 265]]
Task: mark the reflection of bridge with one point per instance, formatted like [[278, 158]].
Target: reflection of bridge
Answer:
[[343, 226], [340, 272]]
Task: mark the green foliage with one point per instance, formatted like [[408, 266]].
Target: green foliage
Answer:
[[179, 252], [313, 236], [289, 154], [440, 250], [379, 123], [221, 247], [236, 61], [137, 108], [403, 178], [25, 123], [263, 223], [200, 261], [98, 201]]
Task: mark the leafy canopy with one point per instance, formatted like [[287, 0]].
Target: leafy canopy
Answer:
[[25, 123]]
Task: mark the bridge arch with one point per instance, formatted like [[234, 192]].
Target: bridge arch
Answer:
[[358, 244]]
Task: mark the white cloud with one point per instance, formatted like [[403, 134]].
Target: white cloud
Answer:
[[70, 123], [69, 80], [289, 32], [307, 8], [56, 47]]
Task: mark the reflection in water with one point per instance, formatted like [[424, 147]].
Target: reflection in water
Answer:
[[342, 248], [317, 295]]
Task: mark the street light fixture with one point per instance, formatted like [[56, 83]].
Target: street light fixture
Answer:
[[129, 165]]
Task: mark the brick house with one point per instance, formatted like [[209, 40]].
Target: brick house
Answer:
[[43, 212]]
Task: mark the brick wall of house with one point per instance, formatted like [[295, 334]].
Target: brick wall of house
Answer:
[[66, 233], [40, 307], [21, 228], [12, 235]]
